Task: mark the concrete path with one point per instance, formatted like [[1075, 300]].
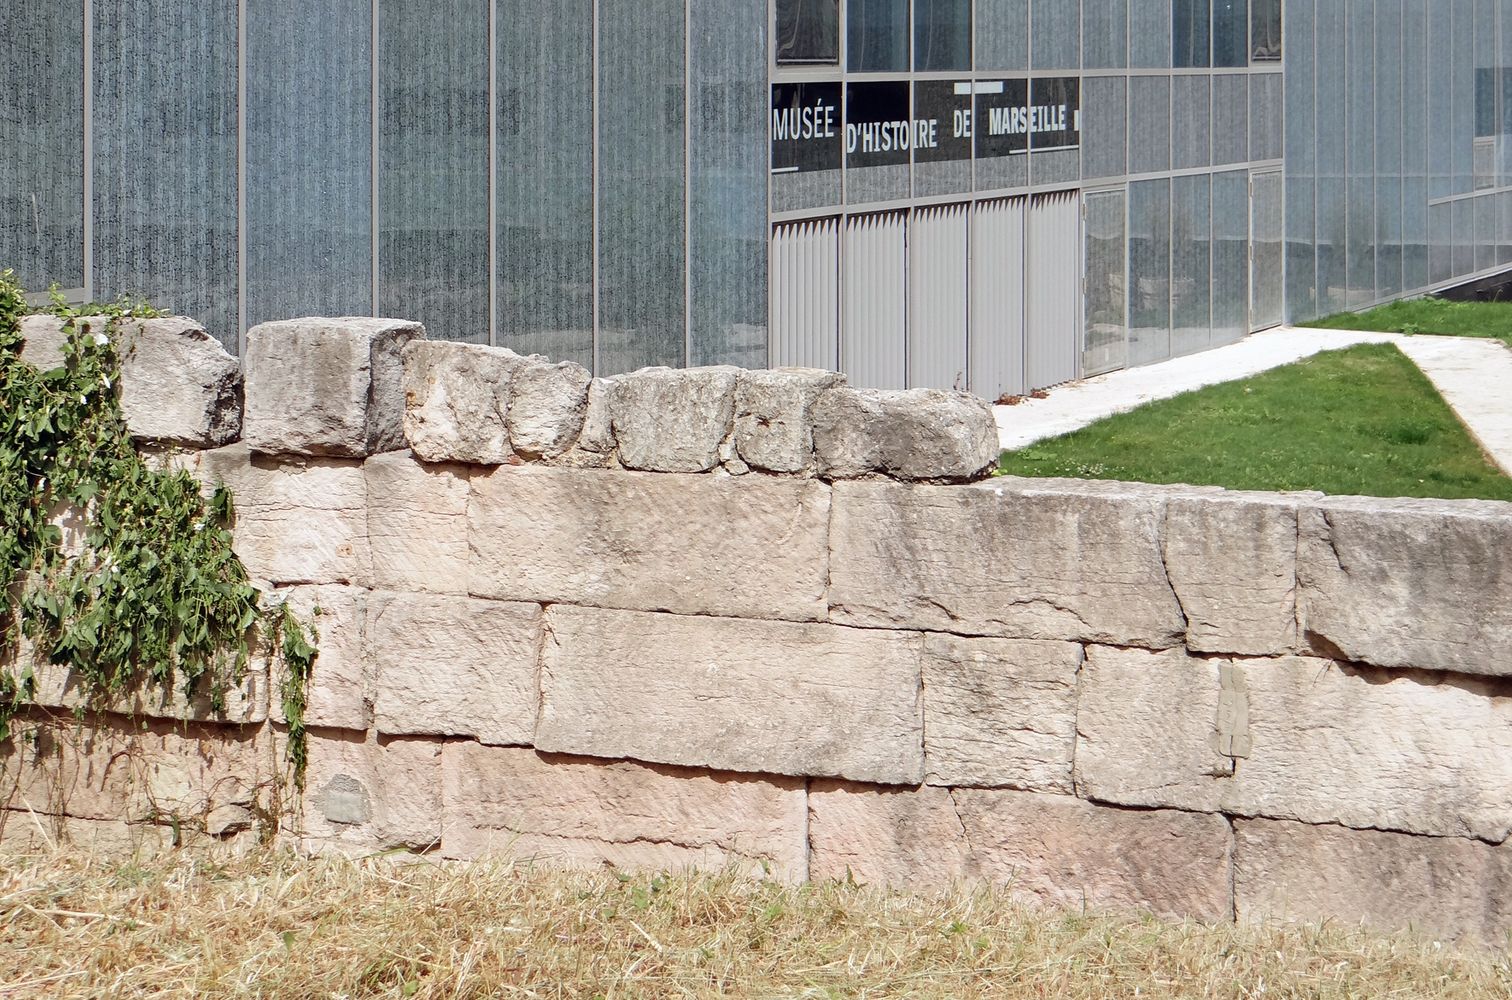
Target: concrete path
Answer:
[[1475, 377]]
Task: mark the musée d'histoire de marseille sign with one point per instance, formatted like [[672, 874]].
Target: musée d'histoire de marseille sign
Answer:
[[878, 126]]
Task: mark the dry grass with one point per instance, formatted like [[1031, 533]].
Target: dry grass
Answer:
[[276, 926]]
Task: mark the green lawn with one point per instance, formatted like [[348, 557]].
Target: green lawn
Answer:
[[1362, 421], [1430, 315]]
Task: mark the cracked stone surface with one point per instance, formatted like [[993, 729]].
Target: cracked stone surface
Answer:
[[362, 796], [574, 811]]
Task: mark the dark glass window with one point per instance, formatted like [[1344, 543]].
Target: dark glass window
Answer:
[[808, 31], [1191, 25], [877, 36], [942, 34], [1230, 32], [1265, 30]]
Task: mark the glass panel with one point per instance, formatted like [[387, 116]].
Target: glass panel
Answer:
[[1191, 264], [1464, 236], [1105, 346], [1056, 29], [1360, 191], [808, 31], [1267, 280], [309, 159], [42, 143], [1461, 67], [1191, 121], [1002, 34], [1231, 118], [1440, 97], [1330, 150], [1230, 33], [1149, 124], [545, 179], [1265, 114], [876, 35], [1105, 34], [942, 35], [1388, 236], [433, 148], [728, 252], [1265, 30], [165, 170], [1150, 34], [1301, 250], [641, 280], [1191, 33], [1388, 146], [1104, 126], [1301, 163], [1231, 261], [1332, 230], [1149, 271], [1441, 218], [1415, 154]]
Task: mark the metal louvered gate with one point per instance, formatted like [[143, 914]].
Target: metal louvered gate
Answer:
[[1054, 301], [997, 298], [938, 297], [805, 295], [874, 300]]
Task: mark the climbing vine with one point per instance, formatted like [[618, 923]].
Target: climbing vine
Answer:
[[119, 571]]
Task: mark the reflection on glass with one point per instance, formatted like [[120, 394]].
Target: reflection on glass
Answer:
[[1230, 32], [1265, 30], [808, 31], [1105, 344], [1190, 35], [876, 35], [1191, 264], [1149, 271], [942, 35]]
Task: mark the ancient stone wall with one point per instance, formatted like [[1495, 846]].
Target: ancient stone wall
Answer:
[[760, 618]]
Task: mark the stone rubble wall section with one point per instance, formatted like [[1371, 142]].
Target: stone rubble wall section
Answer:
[[1186, 700]]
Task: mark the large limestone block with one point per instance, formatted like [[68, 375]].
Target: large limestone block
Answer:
[[327, 386], [245, 702], [178, 385], [417, 524], [365, 795], [1014, 560], [770, 697], [1000, 713], [1148, 729], [1232, 560], [1409, 583], [585, 813], [454, 666], [297, 520], [774, 422], [23, 832], [669, 420], [1052, 849], [688, 544], [456, 401], [920, 434], [547, 407], [1440, 886], [340, 692]]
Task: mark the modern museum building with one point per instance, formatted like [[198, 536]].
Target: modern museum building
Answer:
[[997, 195]]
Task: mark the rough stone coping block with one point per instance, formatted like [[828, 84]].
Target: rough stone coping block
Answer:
[[417, 524], [456, 401], [1441, 886], [1020, 561], [1000, 713], [1297, 738], [1053, 849], [204, 776], [454, 666], [753, 548], [774, 419], [736, 695], [327, 386], [917, 434], [367, 794], [1409, 583], [673, 420], [585, 813], [298, 520], [178, 385]]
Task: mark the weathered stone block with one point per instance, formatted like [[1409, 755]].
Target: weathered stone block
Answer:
[[578, 812], [1441, 886], [547, 406], [1000, 713], [1012, 559], [920, 434], [1409, 583], [60, 687], [23, 832], [771, 697], [1049, 848], [327, 386], [669, 420], [597, 435], [774, 422], [417, 524], [370, 796], [453, 666], [340, 692], [1232, 560], [297, 520], [687, 544], [456, 401]]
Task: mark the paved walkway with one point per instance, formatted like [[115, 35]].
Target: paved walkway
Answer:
[[1474, 376]]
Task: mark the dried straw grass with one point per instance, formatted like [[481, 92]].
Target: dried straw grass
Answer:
[[279, 926]]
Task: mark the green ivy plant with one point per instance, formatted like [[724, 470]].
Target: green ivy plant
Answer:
[[148, 592]]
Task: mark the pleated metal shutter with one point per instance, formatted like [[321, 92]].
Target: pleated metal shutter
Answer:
[[874, 300], [997, 298], [1054, 302], [805, 294], [938, 296]]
